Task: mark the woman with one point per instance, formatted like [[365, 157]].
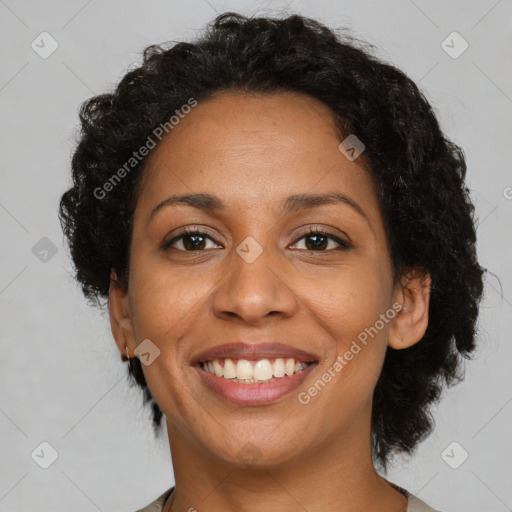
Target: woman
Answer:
[[279, 228]]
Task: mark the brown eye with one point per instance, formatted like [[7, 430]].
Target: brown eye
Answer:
[[190, 241], [319, 241]]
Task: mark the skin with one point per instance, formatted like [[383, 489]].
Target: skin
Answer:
[[253, 151]]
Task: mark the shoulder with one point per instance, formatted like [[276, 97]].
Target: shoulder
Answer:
[[158, 504], [414, 504]]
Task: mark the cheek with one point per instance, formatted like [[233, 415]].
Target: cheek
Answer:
[[346, 308], [349, 303], [165, 307], [165, 299], [349, 308]]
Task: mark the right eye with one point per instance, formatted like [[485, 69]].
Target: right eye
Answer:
[[191, 241]]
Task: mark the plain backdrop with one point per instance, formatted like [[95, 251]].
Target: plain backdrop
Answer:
[[62, 381]]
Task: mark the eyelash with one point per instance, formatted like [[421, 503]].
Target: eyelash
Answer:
[[312, 231]]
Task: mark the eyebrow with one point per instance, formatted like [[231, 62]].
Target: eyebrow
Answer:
[[212, 204]]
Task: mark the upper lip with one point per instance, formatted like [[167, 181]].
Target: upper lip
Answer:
[[243, 350]]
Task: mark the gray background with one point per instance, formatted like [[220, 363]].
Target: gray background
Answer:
[[61, 377]]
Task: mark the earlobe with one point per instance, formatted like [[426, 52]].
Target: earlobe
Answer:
[[120, 318], [413, 293]]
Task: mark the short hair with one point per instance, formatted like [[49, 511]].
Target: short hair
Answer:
[[419, 176]]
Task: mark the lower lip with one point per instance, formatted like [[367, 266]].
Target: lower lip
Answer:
[[254, 394]]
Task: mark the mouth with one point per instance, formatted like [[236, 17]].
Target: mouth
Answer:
[[254, 382], [253, 374], [262, 371]]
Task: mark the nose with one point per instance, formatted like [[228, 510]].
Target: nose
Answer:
[[255, 291]]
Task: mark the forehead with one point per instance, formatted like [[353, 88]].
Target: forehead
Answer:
[[254, 148]]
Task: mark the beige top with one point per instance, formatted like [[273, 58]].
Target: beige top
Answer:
[[414, 504]]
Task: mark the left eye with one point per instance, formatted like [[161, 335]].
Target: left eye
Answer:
[[320, 241]]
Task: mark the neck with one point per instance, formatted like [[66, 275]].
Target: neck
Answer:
[[337, 475]]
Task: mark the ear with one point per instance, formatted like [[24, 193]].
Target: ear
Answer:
[[120, 318], [413, 293]]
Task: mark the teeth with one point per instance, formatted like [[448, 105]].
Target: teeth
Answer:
[[254, 371], [217, 367], [252, 381], [229, 369], [278, 368], [244, 369], [263, 370]]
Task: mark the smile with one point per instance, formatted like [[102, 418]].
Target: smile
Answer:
[[249, 372], [254, 382]]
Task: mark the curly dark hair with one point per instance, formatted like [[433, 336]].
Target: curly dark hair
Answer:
[[419, 176]]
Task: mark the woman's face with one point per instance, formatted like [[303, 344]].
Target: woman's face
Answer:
[[259, 277]]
